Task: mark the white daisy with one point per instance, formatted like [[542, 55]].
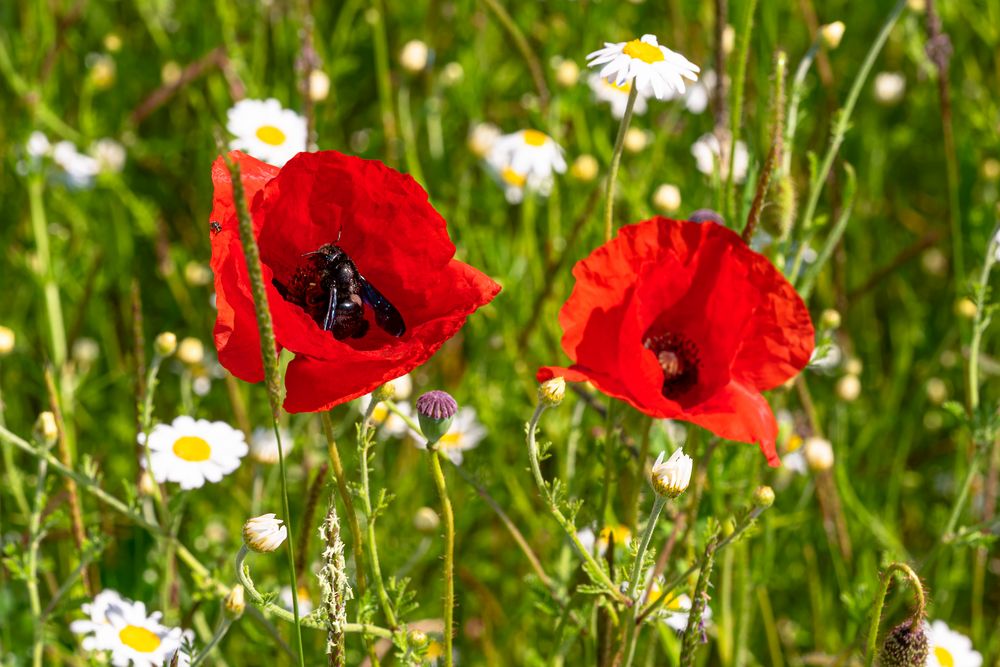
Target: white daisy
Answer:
[[525, 160], [305, 603], [387, 421], [267, 131], [700, 93], [794, 457], [80, 169], [671, 477], [949, 648], [464, 434], [38, 145], [655, 70], [123, 628], [615, 95], [109, 154], [706, 152], [192, 452], [264, 446]]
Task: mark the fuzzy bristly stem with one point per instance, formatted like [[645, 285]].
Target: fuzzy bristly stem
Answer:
[[357, 539], [449, 554], [616, 158], [697, 605], [593, 568], [844, 118], [774, 154], [272, 374], [919, 602]]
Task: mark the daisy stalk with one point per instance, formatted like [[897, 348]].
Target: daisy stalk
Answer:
[[631, 630], [616, 158], [271, 372]]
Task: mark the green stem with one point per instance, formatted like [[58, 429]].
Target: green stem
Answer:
[[35, 537], [792, 117], [832, 239], [364, 444], [916, 617], [616, 158], [631, 627], [844, 115], [272, 374], [383, 79], [220, 631], [449, 554], [593, 568], [53, 305], [522, 46], [736, 110]]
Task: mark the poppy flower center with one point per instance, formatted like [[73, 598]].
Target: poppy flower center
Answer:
[[270, 135], [678, 358], [139, 639], [534, 137], [647, 53]]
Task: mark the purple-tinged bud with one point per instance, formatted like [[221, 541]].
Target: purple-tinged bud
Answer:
[[436, 411], [906, 646], [707, 215]]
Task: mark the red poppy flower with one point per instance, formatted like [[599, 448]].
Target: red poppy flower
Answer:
[[683, 321], [382, 220]]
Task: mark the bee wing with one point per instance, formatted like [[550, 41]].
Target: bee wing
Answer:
[[331, 309], [386, 315]]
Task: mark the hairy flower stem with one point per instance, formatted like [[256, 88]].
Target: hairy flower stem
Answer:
[[357, 539], [773, 155], [449, 554], [918, 611], [736, 111], [593, 568], [35, 536], [364, 444], [616, 158], [631, 627], [693, 628], [271, 372], [843, 123]]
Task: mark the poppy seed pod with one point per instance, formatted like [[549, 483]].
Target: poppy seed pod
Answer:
[[905, 646], [436, 411]]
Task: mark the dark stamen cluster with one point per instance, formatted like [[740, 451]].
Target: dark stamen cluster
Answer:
[[678, 357]]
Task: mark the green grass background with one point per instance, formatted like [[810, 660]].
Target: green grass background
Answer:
[[787, 591]]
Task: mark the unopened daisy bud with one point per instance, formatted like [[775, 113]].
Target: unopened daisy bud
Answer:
[[46, 429], [147, 486], [966, 308], [319, 85], [414, 56], [417, 638], [166, 344], [112, 42], [386, 392], [191, 351], [990, 169], [170, 73], [905, 646], [584, 168], [85, 351], [7, 341], [937, 390], [567, 73], [436, 411], [728, 39], [670, 478], [918, 6], [889, 87], [481, 138], [426, 521], [636, 140], [236, 601], [819, 454], [848, 388], [853, 366], [830, 319], [264, 533], [763, 497], [102, 71], [832, 33], [452, 73], [667, 198], [552, 392]]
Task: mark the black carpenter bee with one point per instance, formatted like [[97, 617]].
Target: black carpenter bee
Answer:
[[333, 292], [215, 227]]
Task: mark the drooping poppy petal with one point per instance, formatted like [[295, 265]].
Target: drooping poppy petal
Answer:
[[398, 243], [683, 321]]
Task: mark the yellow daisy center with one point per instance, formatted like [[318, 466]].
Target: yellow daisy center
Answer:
[[380, 414], [139, 639], [621, 534], [647, 53], [269, 134], [512, 177], [435, 651], [794, 443], [449, 440], [192, 448], [944, 656], [534, 137]]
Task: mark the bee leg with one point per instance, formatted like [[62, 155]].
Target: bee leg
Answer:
[[331, 310]]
